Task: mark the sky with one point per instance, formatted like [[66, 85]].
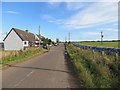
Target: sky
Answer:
[[84, 20]]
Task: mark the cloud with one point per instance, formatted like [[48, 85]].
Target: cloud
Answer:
[[56, 21], [53, 4], [60, 0], [115, 24], [97, 14], [74, 5], [110, 29], [87, 38], [0, 32], [92, 33], [81, 0], [45, 16], [52, 19], [12, 12], [73, 27]]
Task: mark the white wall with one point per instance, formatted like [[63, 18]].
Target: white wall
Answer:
[[27, 43], [13, 42], [36, 37]]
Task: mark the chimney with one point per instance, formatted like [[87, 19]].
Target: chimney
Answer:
[[26, 31]]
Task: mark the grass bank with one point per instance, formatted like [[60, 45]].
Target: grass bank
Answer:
[[104, 44], [95, 69], [11, 57]]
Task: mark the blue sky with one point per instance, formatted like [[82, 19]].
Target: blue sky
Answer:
[[84, 20]]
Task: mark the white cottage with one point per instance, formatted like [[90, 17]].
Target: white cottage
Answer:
[[18, 39]]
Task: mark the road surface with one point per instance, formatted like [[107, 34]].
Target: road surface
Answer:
[[49, 70]]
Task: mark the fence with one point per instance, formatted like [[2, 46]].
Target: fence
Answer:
[[100, 49]]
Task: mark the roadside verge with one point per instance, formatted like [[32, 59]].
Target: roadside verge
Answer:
[[15, 57], [95, 69]]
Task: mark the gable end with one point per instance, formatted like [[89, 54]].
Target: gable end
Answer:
[[10, 32]]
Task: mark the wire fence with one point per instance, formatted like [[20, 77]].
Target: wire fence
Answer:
[[100, 49]]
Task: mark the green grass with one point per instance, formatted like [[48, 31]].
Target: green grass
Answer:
[[95, 69], [17, 56], [104, 44]]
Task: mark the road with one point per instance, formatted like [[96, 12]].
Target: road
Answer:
[[49, 70]]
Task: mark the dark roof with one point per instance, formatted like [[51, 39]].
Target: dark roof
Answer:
[[25, 36]]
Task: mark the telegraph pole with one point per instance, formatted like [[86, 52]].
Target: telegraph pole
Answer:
[[102, 38], [39, 34], [69, 37], [65, 38]]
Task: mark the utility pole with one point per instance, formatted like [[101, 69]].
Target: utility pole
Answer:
[[69, 37], [65, 38], [102, 38], [39, 34]]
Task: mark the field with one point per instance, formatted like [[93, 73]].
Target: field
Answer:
[[104, 44], [95, 69]]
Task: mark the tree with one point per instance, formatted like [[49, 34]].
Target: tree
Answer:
[[46, 41]]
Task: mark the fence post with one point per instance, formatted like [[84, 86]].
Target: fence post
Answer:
[[103, 52]]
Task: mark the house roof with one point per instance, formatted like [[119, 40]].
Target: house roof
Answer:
[[40, 36], [24, 35]]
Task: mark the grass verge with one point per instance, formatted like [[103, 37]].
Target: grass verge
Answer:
[[95, 69], [17, 56]]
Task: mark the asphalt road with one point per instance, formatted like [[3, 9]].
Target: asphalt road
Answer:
[[50, 70]]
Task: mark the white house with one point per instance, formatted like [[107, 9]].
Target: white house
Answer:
[[18, 39], [38, 37]]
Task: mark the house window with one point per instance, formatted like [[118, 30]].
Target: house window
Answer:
[[25, 43]]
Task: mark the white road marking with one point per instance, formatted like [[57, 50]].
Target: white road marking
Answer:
[[23, 79]]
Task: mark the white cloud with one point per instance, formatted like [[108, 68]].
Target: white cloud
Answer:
[[74, 5], [115, 24], [53, 4], [73, 27], [0, 32], [98, 13], [110, 29], [52, 19], [13, 12], [60, 0], [57, 21], [92, 33], [45, 16], [86, 38]]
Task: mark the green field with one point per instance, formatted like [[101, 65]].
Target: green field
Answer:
[[104, 44]]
